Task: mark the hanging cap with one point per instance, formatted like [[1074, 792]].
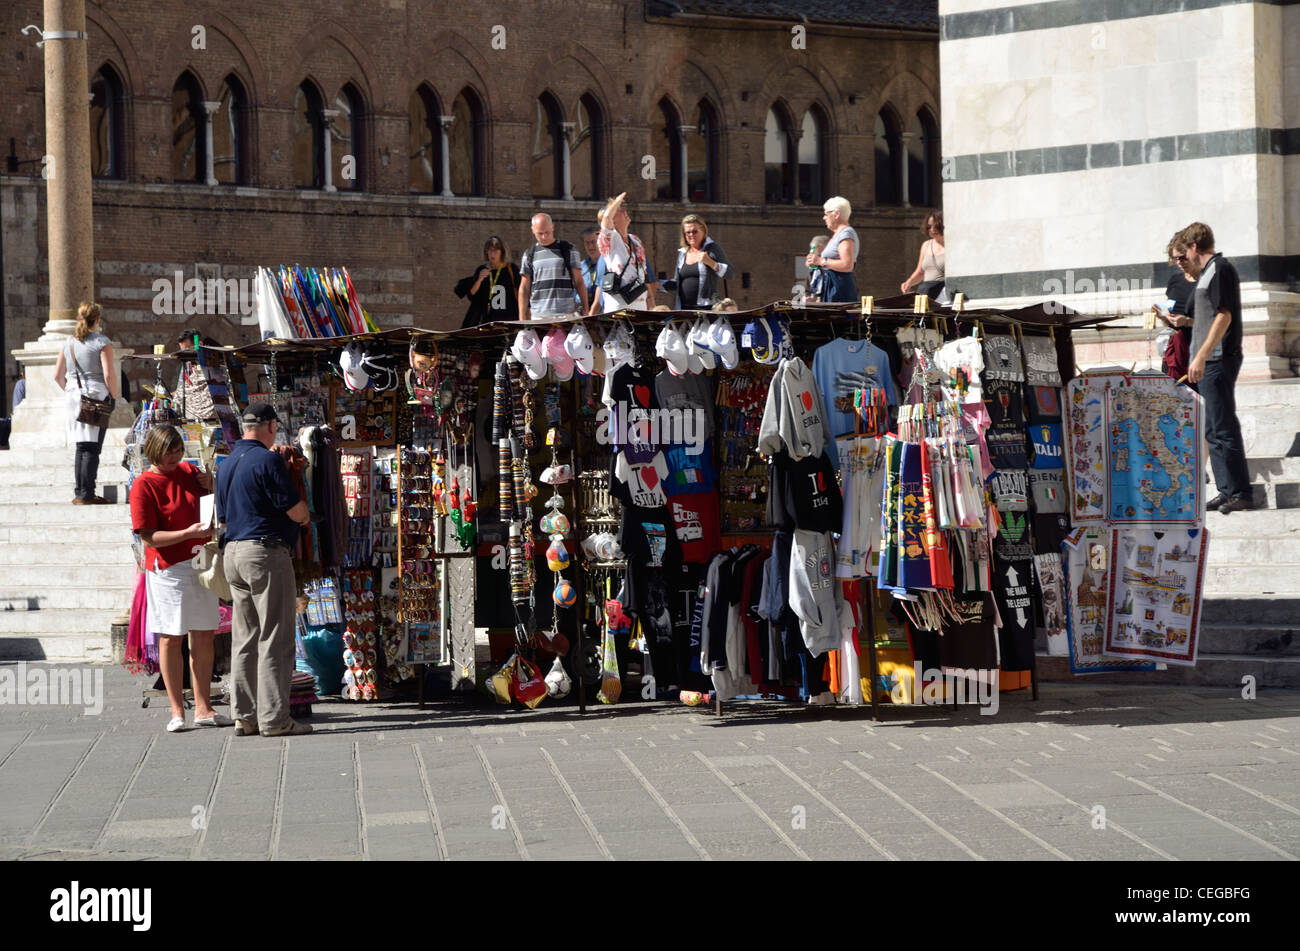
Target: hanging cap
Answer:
[[672, 348], [355, 376], [722, 342], [556, 354], [697, 345], [527, 349], [578, 344], [619, 347]]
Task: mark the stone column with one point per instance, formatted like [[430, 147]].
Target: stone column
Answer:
[[566, 172], [444, 130], [41, 420], [906, 196], [209, 171], [327, 116], [683, 153]]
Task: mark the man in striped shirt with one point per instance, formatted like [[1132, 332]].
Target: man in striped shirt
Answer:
[[549, 275]]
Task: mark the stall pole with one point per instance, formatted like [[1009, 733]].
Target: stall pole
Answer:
[[580, 576], [869, 609]]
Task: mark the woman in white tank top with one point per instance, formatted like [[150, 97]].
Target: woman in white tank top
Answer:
[[928, 278]]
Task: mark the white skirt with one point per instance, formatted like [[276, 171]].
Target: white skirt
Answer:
[[82, 432], [177, 603]]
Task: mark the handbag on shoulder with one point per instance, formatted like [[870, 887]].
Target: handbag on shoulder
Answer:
[[93, 412]]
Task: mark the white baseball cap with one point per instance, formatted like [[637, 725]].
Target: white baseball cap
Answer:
[[527, 349], [672, 348], [697, 345], [619, 346], [722, 341], [579, 346], [354, 375]]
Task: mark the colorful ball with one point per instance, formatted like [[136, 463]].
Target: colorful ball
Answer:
[[565, 595], [557, 556]]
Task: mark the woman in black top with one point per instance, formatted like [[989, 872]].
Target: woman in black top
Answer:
[[702, 266], [493, 289]]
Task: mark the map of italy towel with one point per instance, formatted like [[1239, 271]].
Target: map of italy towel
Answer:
[[1155, 456]]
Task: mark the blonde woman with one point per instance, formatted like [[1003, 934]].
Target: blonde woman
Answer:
[[702, 266], [88, 357], [165, 514], [840, 255]]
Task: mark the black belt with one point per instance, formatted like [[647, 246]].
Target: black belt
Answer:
[[268, 541]]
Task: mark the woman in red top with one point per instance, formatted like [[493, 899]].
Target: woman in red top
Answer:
[[165, 514]]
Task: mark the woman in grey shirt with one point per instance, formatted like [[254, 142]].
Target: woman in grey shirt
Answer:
[[85, 365]]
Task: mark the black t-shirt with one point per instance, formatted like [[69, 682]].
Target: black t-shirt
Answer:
[[1179, 290], [1006, 433], [497, 298], [1219, 288], [807, 494]]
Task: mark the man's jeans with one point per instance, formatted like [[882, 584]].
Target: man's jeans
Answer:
[[1222, 430]]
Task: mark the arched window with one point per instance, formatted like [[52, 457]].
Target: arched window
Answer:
[[465, 143], [665, 146], [230, 138], [188, 131], [347, 149], [812, 159], [923, 186], [778, 186], [702, 155], [425, 142], [889, 157], [308, 137], [586, 153], [548, 169], [106, 124]]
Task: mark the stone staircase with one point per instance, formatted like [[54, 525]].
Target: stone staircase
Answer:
[[67, 572], [1250, 616]]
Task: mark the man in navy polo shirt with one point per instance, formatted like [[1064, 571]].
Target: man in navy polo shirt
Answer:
[[261, 511]]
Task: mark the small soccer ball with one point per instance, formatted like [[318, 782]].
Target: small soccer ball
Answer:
[[565, 595]]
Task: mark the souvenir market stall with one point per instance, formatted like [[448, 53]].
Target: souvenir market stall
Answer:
[[825, 503]]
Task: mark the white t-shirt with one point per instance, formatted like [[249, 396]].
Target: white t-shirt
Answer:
[[644, 480]]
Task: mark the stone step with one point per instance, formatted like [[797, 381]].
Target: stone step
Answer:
[[115, 441], [89, 534], [1271, 578], [71, 648], [72, 596], [57, 621], [1284, 392], [59, 475], [63, 512], [63, 490], [1237, 609], [46, 576], [114, 553], [1261, 523], [1212, 670], [1262, 640], [1230, 550], [1274, 468]]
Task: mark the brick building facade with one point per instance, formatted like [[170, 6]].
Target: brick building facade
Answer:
[[754, 119]]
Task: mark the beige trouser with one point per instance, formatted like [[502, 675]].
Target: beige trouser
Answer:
[[262, 627]]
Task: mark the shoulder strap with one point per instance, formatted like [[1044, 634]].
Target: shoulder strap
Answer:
[[76, 369]]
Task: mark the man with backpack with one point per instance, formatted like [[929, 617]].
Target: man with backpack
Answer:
[[549, 275]]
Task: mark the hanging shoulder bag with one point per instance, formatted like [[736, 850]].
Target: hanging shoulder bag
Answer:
[[93, 412], [209, 561]]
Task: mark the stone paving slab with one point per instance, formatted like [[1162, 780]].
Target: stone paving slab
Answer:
[[1177, 774]]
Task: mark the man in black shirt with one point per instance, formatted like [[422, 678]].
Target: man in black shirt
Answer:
[[1215, 363]]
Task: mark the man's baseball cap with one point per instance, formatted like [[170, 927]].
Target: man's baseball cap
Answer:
[[260, 413]]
